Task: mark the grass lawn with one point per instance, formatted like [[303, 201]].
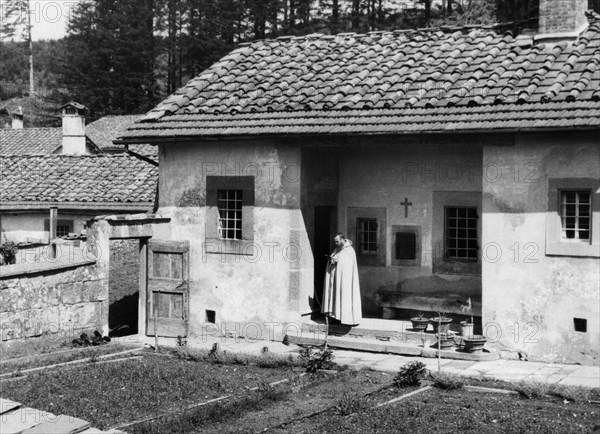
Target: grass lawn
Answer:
[[110, 394], [32, 347]]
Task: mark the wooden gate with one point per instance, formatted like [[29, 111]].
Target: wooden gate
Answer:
[[168, 288]]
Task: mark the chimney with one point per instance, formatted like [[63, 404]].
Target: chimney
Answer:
[[73, 125], [17, 119], [562, 19]]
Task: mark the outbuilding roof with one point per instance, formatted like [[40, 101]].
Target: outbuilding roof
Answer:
[[116, 181], [103, 132], [30, 141], [400, 82]]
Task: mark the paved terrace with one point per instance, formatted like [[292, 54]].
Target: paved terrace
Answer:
[[504, 370]]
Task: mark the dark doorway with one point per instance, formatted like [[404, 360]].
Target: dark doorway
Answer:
[[123, 287], [325, 229]]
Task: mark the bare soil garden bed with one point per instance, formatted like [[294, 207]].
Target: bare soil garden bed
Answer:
[[61, 356]]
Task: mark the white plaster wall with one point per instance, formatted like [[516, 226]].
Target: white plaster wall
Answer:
[[21, 227], [250, 294], [529, 298]]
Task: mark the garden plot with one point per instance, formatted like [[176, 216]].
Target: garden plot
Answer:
[[217, 392], [111, 394]]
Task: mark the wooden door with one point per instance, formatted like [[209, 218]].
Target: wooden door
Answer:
[[168, 288]]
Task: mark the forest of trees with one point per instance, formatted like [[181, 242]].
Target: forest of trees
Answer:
[[124, 56]]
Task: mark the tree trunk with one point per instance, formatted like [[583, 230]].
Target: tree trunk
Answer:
[[172, 30], [30, 45], [355, 14], [273, 13], [292, 14], [335, 16]]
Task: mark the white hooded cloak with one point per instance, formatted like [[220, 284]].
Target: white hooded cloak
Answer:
[[341, 291]]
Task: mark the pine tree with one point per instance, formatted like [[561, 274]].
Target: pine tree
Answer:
[[13, 18], [110, 54]]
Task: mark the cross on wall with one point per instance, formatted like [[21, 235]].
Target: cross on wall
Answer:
[[406, 204]]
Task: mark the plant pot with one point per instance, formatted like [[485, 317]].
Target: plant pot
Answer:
[[474, 344], [419, 324], [435, 322], [446, 342], [466, 329]]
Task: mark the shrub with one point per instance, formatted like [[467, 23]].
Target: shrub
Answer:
[[532, 389], [322, 359], [348, 404], [446, 381], [570, 393], [538, 389], [410, 374], [270, 393], [8, 252]]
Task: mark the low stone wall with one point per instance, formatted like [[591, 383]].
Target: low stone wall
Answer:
[[53, 299]]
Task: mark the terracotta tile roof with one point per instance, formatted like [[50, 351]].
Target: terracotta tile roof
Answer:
[[104, 131], [118, 181], [405, 75], [30, 141], [378, 121]]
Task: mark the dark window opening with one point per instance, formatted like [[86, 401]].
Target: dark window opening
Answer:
[[406, 245], [580, 324], [63, 227], [575, 214], [229, 203], [211, 316], [461, 233], [367, 236]]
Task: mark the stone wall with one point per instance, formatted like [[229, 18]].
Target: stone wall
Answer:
[[52, 299], [59, 298]]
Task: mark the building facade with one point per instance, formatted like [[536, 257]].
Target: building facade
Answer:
[[464, 164]]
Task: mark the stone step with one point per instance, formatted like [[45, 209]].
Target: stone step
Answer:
[[7, 405], [403, 333], [391, 347], [62, 424], [21, 419]]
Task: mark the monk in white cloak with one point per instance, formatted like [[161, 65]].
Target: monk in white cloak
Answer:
[[341, 292]]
